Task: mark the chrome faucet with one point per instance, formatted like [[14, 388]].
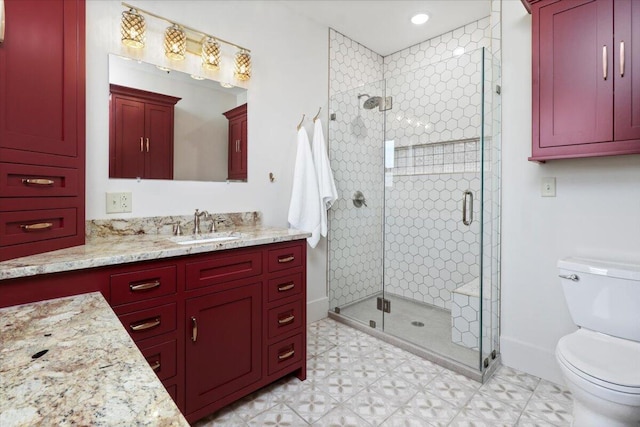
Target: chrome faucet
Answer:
[[196, 220]]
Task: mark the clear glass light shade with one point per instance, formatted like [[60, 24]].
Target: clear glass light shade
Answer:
[[175, 43], [132, 29], [243, 65], [211, 54]]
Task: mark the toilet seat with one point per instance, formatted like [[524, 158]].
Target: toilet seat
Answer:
[[602, 360]]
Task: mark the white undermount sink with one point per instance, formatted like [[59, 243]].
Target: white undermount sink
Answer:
[[205, 238]]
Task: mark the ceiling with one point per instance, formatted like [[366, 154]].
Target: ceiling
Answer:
[[384, 25]]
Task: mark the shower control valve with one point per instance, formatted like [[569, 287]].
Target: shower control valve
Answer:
[[359, 199]]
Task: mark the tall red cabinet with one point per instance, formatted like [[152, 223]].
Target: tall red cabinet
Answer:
[[42, 126], [586, 78], [237, 167]]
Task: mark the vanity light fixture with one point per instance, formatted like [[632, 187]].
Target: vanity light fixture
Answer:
[[132, 28], [420, 18], [211, 54], [180, 39], [175, 43], [243, 65]]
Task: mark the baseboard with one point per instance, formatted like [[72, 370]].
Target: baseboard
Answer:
[[531, 359], [317, 309]]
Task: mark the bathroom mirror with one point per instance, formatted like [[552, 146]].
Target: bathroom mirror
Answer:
[[200, 149]]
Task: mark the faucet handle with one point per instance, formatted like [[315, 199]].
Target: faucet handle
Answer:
[[177, 229]]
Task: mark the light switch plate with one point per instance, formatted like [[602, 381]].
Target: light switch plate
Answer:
[[119, 202], [548, 187]]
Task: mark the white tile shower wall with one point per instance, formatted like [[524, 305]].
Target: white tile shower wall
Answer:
[[429, 251], [356, 135], [437, 101]]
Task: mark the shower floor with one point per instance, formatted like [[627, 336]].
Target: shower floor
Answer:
[[435, 335]]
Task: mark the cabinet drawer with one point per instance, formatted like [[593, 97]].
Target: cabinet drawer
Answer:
[[150, 322], [285, 286], [162, 358], [285, 318], [18, 227], [223, 269], [285, 353], [18, 180], [283, 258], [142, 284]]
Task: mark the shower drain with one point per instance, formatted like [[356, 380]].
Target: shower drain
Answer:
[[416, 323]]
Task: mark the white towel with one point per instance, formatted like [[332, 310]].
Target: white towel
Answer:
[[304, 209], [326, 184]]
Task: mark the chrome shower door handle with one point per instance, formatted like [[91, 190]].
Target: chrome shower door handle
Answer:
[[467, 195]]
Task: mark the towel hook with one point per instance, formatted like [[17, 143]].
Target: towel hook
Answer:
[[301, 121], [317, 115]]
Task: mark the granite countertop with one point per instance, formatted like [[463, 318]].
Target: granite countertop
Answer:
[[103, 250], [92, 374]]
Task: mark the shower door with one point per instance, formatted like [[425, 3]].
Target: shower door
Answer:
[[416, 259]]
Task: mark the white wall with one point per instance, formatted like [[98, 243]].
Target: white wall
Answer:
[[596, 214], [290, 77]]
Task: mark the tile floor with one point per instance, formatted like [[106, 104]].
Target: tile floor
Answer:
[[354, 379]]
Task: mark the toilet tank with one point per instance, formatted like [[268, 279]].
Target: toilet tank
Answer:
[[603, 296]]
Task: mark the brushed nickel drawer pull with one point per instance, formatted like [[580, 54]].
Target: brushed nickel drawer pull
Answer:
[[194, 329], [286, 320], [156, 365], [286, 355], [144, 286], [37, 181], [145, 324], [147, 145], [141, 145], [286, 286], [37, 227], [286, 259]]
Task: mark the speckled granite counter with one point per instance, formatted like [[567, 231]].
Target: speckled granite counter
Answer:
[[92, 373], [116, 249]]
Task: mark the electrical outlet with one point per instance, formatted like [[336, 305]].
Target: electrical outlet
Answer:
[[548, 187], [119, 202]]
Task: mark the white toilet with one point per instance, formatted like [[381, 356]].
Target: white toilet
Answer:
[[600, 362]]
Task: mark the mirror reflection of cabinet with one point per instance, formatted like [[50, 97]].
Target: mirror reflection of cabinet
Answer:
[[141, 133], [237, 142]]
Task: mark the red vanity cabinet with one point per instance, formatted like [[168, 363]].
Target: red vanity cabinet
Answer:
[[141, 134], [586, 95], [214, 327], [237, 164], [42, 127]]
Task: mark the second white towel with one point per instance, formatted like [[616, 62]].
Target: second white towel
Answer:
[[326, 185]]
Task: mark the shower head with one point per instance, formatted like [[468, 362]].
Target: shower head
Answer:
[[372, 102]]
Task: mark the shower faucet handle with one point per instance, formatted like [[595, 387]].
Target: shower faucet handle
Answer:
[[359, 199]]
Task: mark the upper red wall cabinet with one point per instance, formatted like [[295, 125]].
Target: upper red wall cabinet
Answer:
[[586, 97]]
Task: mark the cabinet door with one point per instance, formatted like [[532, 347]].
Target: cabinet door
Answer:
[[574, 75], [158, 141], [627, 70], [235, 150], [224, 344], [128, 127], [42, 77]]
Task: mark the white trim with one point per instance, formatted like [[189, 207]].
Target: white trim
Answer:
[[317, 309], [528, 358]]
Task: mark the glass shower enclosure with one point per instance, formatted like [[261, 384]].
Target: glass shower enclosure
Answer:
[[414, 239]]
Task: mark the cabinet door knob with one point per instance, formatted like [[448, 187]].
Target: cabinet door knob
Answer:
[[194, 329]]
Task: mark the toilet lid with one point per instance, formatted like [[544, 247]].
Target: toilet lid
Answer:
[[606, 358]]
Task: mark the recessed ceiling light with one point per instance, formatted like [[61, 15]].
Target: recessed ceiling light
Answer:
[[419, 18]]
